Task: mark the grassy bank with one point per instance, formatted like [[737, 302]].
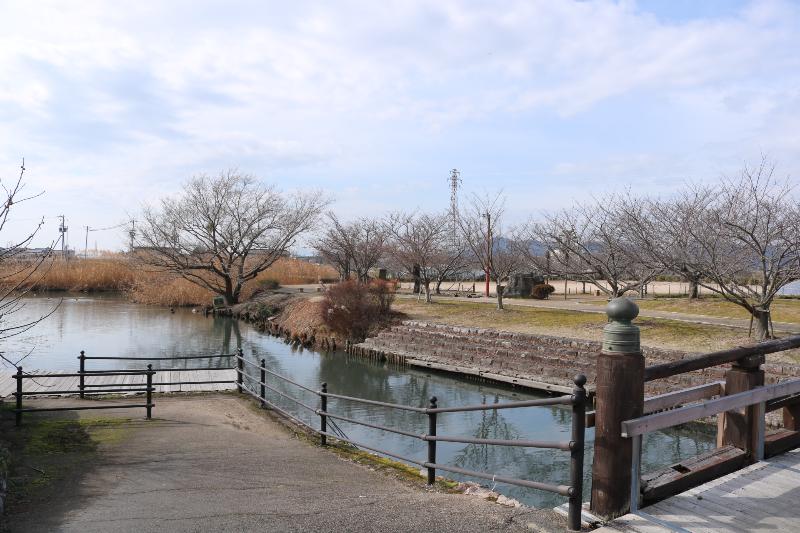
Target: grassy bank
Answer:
[[783, 310], [119, 273], [660, 333]]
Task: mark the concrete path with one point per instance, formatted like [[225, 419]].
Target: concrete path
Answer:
[[217, 463], [577, 305]]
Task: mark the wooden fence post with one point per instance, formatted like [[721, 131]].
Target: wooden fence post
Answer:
[[619, 396], [742, 427]]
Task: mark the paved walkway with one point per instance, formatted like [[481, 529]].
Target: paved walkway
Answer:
[[217, 463], [761, 497], [577, 305]]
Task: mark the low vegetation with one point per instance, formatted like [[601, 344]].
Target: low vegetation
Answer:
[[119, 273], [353, 309], [660, 333], [782, 309]]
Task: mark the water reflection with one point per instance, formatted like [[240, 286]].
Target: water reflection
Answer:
[[111, 326]]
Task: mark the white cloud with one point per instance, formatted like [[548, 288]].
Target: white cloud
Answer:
[[128, 99]]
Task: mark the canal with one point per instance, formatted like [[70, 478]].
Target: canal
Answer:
[[109, 325]]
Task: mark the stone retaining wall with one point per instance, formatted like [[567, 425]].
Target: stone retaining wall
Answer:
[[539, 357]]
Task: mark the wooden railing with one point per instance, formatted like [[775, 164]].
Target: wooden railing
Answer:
[[756, 398]]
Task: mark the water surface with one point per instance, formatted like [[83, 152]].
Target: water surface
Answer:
[[109, 325]]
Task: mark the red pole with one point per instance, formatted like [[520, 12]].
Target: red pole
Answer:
[[488, 249]]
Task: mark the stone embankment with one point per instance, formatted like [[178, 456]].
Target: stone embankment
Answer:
[[535, 361]]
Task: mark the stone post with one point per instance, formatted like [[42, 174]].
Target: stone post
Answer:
[[619, 396]]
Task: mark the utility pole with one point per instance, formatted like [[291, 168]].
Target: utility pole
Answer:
[[132, 234], [62, 230], [86, 245], [488, 216]]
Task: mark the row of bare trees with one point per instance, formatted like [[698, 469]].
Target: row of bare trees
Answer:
[[739, 238]]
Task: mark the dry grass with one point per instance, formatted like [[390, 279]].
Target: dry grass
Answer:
[[287, 271], [783, 310], [118, 273], [657, 333], [113, 274]]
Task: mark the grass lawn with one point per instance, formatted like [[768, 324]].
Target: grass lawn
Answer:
[[661, 333], [783, 310]]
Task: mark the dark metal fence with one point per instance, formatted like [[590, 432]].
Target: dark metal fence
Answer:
[[575, 446], [146, 388], [83, 373]]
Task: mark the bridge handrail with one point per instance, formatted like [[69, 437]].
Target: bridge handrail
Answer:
[[721, 357]]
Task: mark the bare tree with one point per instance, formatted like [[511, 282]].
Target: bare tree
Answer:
[[664, 230], [223, 230], [419, 242], [749, 239], [18, 273], [593, 242], [333, 246], [506, 260], [451, 261], [478, 223]]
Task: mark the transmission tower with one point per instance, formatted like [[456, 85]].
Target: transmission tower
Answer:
[[455, 180]]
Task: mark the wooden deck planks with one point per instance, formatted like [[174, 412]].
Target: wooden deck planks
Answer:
[[764, 496]]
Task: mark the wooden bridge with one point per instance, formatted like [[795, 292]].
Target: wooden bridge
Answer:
[[764, 496]]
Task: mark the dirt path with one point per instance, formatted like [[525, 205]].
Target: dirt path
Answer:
[[217, 463]]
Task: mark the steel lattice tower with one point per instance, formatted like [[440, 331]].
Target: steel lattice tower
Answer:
[[455, 180]]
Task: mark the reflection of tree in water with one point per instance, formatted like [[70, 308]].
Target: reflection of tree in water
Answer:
[[224, 332], [484, 457]]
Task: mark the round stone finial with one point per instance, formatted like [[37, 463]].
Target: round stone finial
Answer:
[[580, 380], [622, 309]]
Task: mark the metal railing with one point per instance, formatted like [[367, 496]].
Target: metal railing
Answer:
[[83, 373], [575, 446], [21, 376]]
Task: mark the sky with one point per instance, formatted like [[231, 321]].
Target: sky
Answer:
[[114, 105]]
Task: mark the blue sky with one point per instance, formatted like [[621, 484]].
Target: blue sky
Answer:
[[114, 105]]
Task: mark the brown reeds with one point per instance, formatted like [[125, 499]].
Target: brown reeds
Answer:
[[120, 273]]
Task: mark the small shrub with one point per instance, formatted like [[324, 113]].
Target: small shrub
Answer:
[[383, 292], [352, 309], [268, 284], [542, 291]]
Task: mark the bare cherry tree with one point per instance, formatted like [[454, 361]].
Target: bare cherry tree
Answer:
[[334, 247], [592, 241], [664, 229], [478, 223], [358, 245], [221, 231], [749, 236], [420, 243], [19, 272], [506, 260]]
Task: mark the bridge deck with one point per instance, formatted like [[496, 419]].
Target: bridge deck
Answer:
[[762, 497], [8, 384]]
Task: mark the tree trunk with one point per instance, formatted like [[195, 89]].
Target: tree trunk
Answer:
[[415, 273], [500, 290], [230, 297], [693, 286], [428, 298], [761, 323], [438, 287]]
